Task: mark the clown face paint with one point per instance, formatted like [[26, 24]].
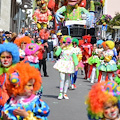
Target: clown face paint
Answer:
[[28, 89], [111, 111], [6, 59], [23, 45], [73, 2]]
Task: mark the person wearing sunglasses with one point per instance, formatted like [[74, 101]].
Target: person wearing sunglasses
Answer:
[[65, 65]]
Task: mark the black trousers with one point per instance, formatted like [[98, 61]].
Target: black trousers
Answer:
[[43, 63]]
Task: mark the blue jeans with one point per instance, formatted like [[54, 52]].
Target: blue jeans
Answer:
[[73, 77], [50, 54]]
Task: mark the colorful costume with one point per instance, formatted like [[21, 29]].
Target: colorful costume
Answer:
[[18, 79], [66, 64], [13, 50], [107, 65], [21, 42], [94, 62], [71, 12], [87, 52], [103, 101], [117, 79], [31, 54], [78, 53], [42, 16]]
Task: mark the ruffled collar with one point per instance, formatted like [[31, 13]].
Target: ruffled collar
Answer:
[[24, 100], [5, 70]]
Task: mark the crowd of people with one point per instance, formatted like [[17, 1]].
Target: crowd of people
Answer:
[[22, 57]]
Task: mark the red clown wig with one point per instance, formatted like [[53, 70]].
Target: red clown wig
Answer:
[[87, 37], [25, 73]]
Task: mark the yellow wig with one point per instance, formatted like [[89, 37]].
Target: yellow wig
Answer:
[[110, 44]]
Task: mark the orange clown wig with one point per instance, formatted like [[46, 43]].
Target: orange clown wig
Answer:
[[18, 41], [21, 74], [101, 93]]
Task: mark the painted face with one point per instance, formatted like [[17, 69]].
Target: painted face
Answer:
[[23, 45], [6, 59], [28, 89], [74, 44], [111, 111], [73, 2]]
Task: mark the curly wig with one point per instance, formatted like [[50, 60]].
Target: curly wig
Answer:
[[31, 49], [110, 44], [20, 40], [99, 42], [26, 73], [76, 41], [100, 94], [88, 37], [12, 49]]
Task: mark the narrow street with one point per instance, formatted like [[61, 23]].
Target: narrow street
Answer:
[[72, 109]]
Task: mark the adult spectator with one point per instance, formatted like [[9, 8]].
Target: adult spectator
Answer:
[[42, 58], [50, 47], [7, 35], [13, 37]]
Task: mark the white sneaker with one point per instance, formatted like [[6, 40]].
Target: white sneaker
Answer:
[[71, 87], [92, 81], [66, 97], [88, 79], [60, 97]]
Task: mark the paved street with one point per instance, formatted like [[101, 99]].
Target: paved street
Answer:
[[72, 109]]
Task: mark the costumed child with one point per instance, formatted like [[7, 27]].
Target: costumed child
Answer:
[[107, 65], [103, 101], [9, 56], [117, 78], [78, 53], [23, 82], [94, 61], [81, 65], [21, 42], [87, 52], [31, 54], [65, 65]]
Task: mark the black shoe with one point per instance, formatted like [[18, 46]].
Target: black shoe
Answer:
[[46, 75]]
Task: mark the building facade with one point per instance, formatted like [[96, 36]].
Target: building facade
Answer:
[[5, 10], [111, 7]]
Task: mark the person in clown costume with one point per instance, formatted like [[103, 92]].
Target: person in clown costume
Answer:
[[87, 52], [9, 56], [78, 53], [94, 61], [42, 15], [107, 65], [103, 101], [66, 64], [31, 54], [21, 42], [23, 82]]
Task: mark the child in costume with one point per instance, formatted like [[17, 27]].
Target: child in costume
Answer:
[[66, 64], [103, 102], [78, 53], [9, 56], [117, 79], [81, 65], [87, 52], [107, 65], [94, 61], [31, 52], [23, 82], [21, 42]]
